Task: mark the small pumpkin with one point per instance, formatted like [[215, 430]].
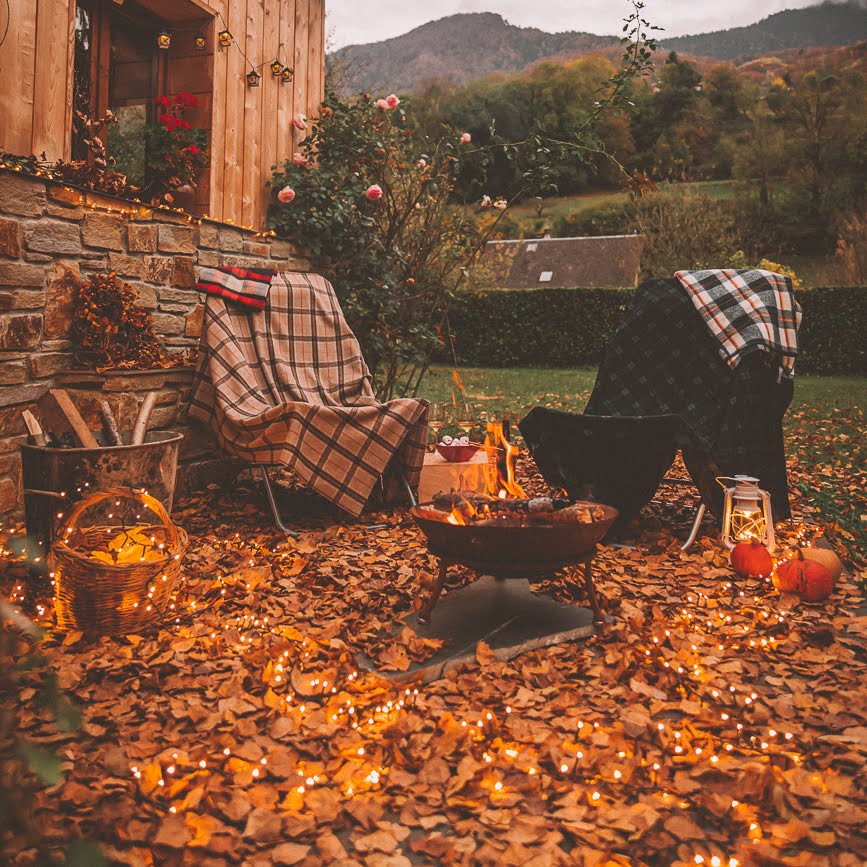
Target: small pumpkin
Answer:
[[808, 578], [827, 558], [751, 560]]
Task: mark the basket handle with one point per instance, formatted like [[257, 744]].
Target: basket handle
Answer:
[[68, 523]]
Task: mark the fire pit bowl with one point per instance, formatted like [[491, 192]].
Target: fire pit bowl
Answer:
[[512, 547]]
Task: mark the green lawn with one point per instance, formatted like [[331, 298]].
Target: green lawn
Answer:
[[561, 206], [825, 442]]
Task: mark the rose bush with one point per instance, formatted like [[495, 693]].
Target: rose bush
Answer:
[[375, 202]]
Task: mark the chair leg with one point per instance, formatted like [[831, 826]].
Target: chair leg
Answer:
[[409, 493], [695, 525], [269, 491]]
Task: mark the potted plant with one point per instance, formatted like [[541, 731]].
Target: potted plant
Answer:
[[176, 153]]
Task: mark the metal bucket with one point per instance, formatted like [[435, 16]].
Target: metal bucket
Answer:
[[55, 478]]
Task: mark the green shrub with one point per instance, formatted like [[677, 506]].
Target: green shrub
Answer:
[[571, 327], [537, 327], [833, 329], [685, 231], [609, 219]]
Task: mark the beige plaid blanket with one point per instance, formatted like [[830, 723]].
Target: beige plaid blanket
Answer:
[[288, 385]]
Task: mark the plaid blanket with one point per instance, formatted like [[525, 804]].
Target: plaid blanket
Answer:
[[664, 360], [747, 311], [245, 285], [288, 385]]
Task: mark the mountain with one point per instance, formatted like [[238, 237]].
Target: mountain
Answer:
[[471, 45], [828, 24], [458, 48]]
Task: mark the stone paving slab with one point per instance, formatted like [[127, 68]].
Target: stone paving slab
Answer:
[[505, 614]]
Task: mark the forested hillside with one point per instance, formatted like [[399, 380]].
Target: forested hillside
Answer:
[[457, 48], [462, 47], [828, 24]]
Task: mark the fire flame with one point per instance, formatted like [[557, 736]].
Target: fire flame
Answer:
[[500, 477], [501, 464]]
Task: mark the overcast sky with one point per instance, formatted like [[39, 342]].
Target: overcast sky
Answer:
[[359, 21]]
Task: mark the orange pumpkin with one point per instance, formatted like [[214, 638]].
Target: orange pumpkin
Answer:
[[751, 560], [809, 579], [827, 558]]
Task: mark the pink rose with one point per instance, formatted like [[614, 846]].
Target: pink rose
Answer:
[[299, 121], [373, 192], [392, 101], [422, 164], [286, 195], [381, 103], [466, 138], [299, 159]]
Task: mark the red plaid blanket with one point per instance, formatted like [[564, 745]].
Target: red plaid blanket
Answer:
[[245, 285], [288, 385], [747, 311]]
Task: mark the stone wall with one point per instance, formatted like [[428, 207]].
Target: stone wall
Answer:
[[47, 229]]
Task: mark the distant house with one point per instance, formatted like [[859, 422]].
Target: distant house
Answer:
[[606, 262]]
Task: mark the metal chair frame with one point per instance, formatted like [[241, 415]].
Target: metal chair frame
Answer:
[[278, 518]]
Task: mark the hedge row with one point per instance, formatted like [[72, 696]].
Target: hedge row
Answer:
[[570, 327]]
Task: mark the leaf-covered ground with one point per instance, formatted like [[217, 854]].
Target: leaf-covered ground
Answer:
[[713, 722]]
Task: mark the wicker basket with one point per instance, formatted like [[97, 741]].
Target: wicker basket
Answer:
[[113, 598]]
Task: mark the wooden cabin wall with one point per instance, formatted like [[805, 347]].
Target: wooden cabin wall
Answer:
[[251, 128], [36, 70], [256, 123]]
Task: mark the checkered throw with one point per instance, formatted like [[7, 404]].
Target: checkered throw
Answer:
[[288, 385], [247, 286], [747, 311]]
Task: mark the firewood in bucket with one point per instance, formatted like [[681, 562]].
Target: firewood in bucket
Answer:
[[59, 412], [109, 424], [140, 427], [34, 429]]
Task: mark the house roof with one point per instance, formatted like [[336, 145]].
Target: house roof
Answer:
[[605, 262]]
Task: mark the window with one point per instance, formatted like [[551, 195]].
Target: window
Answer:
[[117, 67]]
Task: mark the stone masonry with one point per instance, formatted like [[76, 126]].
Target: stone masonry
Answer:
[[46, 229]]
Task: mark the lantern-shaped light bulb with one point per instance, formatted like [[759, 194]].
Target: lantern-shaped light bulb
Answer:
[[253, 78], [225, 38], [164, 40], [747, 513], [287, 74], [276, 67], [200, 42]]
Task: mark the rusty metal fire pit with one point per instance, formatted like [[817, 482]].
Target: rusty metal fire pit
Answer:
[[510, 547]]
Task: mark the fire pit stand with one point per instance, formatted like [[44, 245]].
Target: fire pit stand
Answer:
[[513, 570]]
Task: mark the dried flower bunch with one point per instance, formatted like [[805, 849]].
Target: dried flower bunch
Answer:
[[111, 330]]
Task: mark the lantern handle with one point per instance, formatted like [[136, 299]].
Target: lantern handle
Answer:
[[736, 479]]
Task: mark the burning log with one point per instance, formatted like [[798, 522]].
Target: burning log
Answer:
[[479, 509]]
